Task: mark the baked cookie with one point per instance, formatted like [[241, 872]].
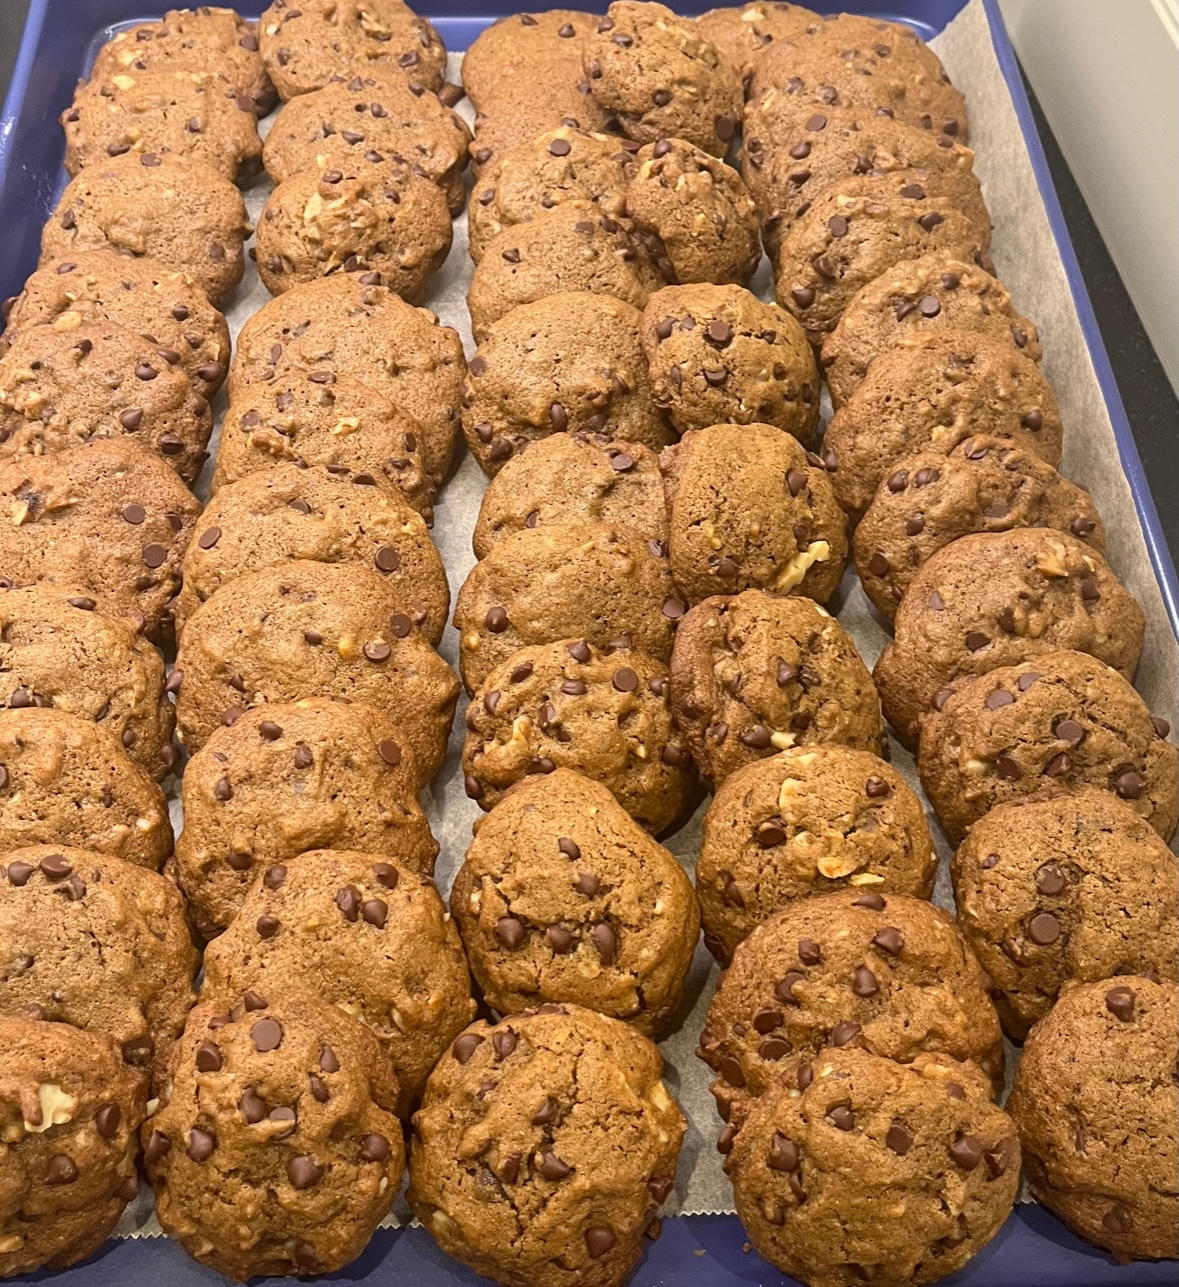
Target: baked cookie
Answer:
[[983, 485], [864, 1138], [71, 1110], [756, 673], [572, 247], [741, 32], [343, 326], [543, 1147], [602, 712], [536, 52], [930, 392], [805, 822], [284, 1107], [317, 923], [1095, 1102], [333, 775], [176, 212], [568, 581], [521, 112], [66, 781], [993, 599], [574, 477], [570, 361], [1059, 719], [749, 509], [315, 513], [719, 355], [891, 975], [327, 629], [1064, 888], [934, 293]]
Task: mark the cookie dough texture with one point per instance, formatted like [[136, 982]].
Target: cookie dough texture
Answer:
[[328, 775], [543, 1147], [567, 705], [1095, 1102], [282, 1107], [741, 32], [755, 673], [70, 1111], [816, 1175], [1064, 889], [807, 821], [1060, 719]]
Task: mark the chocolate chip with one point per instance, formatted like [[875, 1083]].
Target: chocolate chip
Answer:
[[1120, 1003], [803, 296], [154, 556], [61, 1170], [842, 1118], [599, 1241], [375, 911], [1043, 929], [809, 952], [605, 941], [976, 640], [304, 1172], [1050, 879], [1129, 784], [559, 939], [898, 1139], [732, 1072], [873, 901], [784, 991], [223, 790], [510, 931], [465, 1045], [625, 680], [496, 620], [864, 982], [673, 609], [267, 926], [844, 1032], [266, 1035], [208, 1057], [107, 1119], [966, 1151], [929, 306]]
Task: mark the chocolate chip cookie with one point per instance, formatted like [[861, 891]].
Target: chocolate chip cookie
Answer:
[[740, 33]]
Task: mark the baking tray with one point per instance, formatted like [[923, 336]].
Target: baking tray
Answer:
[[1033, 1249]]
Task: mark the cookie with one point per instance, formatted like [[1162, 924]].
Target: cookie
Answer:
[[890, 975], [338, 775], [107, 518], [554, 1129], [573, 477], [342, 326], [71, 1110], [1062, 889], [317, 923], [379, 219], [570, 361], [1059, 719], [864, 1138], [983, 485], [602, 712], [572, 247], [933, 293], [749, 509], [1095, 1103], [143, 295], [313, 513], [754, 673], [929, 393], [57, 651], [59, 388], [284, 1108], [98, 943], [741, 32], [568, 581], [176, 212], [65, 780], [719, 355], [805, 822], [537, 53], [521, 112], [993, 599]]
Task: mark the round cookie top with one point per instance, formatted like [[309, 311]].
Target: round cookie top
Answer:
[[317, 922], [568, 705], [1060, 889], [538, 52], [864, 1134], [561, 1117], [99, 943], [69, 1111], [65, 780], [284, 1106], [175, 211], [144, 295], [107, 517], [719, 355], [576, 477], [890, 975], [566, 581], [570, 361], [748, 508], [339, 776], [741, 32], [995, 598], [756, 673], [1060, 719], [333, 629], [807, 821], [520, 112], [1095, 1102], [316, 513], [929, 393]]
